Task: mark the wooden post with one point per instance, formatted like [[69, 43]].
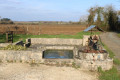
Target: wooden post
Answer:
[[39, 30], [7, 37], [34, 31], [27, 30], [12, 36]]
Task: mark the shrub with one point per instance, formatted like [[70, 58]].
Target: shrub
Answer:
[[14, 47]]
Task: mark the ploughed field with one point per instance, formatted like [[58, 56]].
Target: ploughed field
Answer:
[[43, 28]]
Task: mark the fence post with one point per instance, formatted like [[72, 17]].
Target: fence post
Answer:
[[39, 30], [7, 37], [27, 30]]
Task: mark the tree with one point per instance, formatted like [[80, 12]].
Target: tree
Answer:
[[99, 12], [6, 21], [91, 15], [118, 12], [112, 18], [108, 14], [83, 19]]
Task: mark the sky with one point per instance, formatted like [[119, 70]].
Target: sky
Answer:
[[50, 10]]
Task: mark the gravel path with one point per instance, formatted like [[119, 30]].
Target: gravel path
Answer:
[[20, 71], [112, 41]]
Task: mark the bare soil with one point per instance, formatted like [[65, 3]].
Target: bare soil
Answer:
[[20, 71], [43, 29]]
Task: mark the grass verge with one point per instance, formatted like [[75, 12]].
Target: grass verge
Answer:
[[113, 73], [116, 61], [111, 54]]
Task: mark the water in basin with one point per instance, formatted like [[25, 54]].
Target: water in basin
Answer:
[[58, 54]]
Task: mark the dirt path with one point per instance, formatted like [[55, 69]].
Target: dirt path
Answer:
[[19, 71], [112, 41]]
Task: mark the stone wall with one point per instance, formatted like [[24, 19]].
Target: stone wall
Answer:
[[29, 57], [56, 41], [20, 56], [92, 61], [93, 56], [85, 40], [60, 47], [93, 65], [36, 57]]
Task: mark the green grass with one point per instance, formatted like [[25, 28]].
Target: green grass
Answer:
[[111, 54], [111, 74], [116, 61], [24, 37], [119, 35], [2, 38]]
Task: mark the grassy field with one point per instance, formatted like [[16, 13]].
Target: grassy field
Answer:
[[24, 37]]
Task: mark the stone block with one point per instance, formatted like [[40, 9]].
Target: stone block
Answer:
[[56, 41], [85, 40]]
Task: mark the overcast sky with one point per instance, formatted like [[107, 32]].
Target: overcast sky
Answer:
[[50, 10]]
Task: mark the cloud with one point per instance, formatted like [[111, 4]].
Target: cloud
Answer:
[[10, 2], [14, 1], [9, 8], [7, 5]]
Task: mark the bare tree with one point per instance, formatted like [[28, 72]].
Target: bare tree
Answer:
[[83, 19]]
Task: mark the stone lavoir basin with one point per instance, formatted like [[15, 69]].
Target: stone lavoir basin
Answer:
[[55, 50], [58, 54]]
